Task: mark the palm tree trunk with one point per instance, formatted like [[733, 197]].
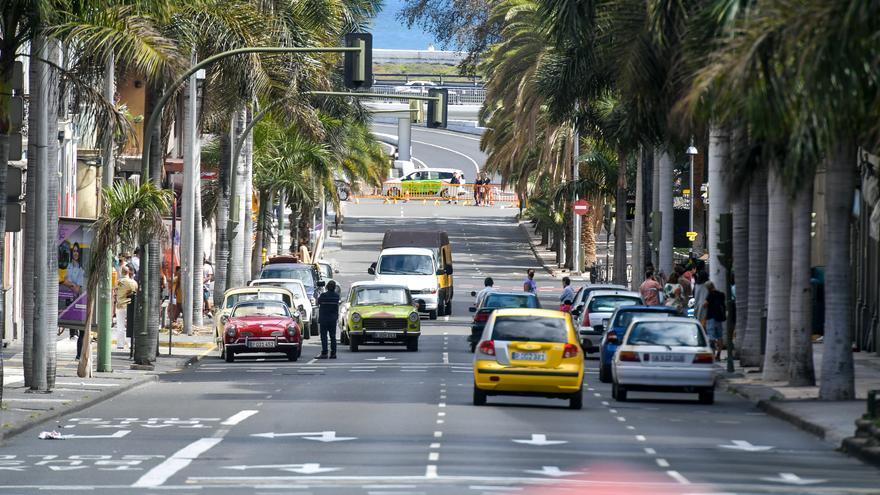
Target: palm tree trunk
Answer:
[[265, 200], [647, 193], [837, 378], [638, 229], [235, 267], [620, 221], [655, 201], [750, 354], [719, 202], [40, 169], [281, 235], [740, 209], [198, 251], [776, 357], [221, 244], [665, 194], [51, 209], [248, 202], [800, 372]]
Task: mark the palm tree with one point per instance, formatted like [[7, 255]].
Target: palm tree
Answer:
[[801, 373], [128, 213], [779, 243], [750, 352]]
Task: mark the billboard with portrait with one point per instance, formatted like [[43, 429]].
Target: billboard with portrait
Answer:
[[74, 252]]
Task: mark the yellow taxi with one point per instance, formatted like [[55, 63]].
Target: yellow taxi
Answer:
[[529, 352]]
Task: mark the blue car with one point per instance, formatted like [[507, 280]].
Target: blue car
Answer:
[[616, 327]]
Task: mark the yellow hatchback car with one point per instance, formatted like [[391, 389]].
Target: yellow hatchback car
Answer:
[[529, 352]]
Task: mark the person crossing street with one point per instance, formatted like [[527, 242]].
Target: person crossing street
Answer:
[[328, 313]]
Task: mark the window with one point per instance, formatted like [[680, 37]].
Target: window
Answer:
[[260, 308], [406, 264], [666, 334], [302, 273], [382, 295], [529, 329], [608, 304], [510, 301], [234, 299], [626, 317]]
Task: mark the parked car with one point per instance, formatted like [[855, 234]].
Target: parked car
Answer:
[[598, 307], [416, 87], [531, 352], [665, 355], [301, 301], [288, 267], [426, 182], [615, 329], [234, 296], [497, 300], [379, 313], [261, 326], [580, 297]]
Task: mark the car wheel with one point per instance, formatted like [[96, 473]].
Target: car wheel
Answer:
[[432, 314], [479, 397], [343, 338], [473, 346], [577, 400], [306, 335], [412, 345], [222, 350], [315, 329], [604, 373], [230, 356], [707, 396], [293, 355], [618, 392], [353, 343]]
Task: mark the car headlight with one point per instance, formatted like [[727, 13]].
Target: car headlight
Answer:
[[230, 331], [413, 317], [291, 330], [433, 290], [355, 318]]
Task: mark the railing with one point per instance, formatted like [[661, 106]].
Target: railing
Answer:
[[443, 192], [449, 79], [457, 95]]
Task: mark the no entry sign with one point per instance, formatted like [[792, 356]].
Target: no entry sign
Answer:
[[581, 207]]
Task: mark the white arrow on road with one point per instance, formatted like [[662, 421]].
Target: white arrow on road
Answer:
[[746, 446], [551, 471], [538, 439], [381, 358], [319, 436], [308, 468], [118, 434], [793, 479], [67, 468]]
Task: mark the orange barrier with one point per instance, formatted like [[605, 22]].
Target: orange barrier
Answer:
[[441, 191]]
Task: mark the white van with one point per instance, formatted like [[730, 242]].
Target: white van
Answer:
[[415, 268]]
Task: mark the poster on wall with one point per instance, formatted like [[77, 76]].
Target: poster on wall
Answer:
[[74, 252]]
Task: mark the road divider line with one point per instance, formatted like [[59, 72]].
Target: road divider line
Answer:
[[239, 417], [662, 462], [678, 477], [431, 471], [435, 446], [434, 456], [641, 438], [650, 451], [169, 467], [438, 434]]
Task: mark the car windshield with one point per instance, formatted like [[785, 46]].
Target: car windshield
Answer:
[[302, 273], [260, 308], [624, 318], [607, 304], [666, 334], [233, 299], [381, 295], [510, 301], [406, 264], [529, 329], [298, 290], [326, 271]]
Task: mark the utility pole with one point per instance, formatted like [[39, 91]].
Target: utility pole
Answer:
[[105, 290], [189, 222], [404, 138], [575, 175], [691, 152], [40, 185]]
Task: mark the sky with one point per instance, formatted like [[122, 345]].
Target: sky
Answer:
[[389, 32]]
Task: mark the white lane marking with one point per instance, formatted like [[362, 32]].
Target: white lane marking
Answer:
[[179, 460], [612, 411], [118, 434], [434, 456], [442, 396], [431, 471], [630, 427], [313, 361], [650, 451], [678, 477], [442, 404], [641, 438], [445, 358], [438, 434], [434, 446], [440, 421], [662, 463], [239, 417], [604, 402], [441, 414], [591, 389], [621, 418], [597, 394]]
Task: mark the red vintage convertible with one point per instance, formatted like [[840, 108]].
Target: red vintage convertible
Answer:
[[262, 326]]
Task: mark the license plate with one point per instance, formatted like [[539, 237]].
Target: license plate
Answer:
[[667, 358], [384, 335], [259, 344], [529, 356]]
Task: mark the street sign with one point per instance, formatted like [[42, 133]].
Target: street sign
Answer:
[[692, 236], [581, 207]]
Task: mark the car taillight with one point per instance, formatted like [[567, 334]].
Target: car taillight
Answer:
[[611, 337], [704, 358], [487, 347], [570, 351], [629, 356], [481, 316]]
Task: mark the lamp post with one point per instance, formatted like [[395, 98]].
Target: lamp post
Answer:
[[691, 152]]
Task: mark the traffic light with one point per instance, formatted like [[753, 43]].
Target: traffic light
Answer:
[[438, 110], [655, 226], [725, 240], [358, 66]]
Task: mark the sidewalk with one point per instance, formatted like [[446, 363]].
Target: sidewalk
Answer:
[[832, 421], [22, 410], [544, 255]]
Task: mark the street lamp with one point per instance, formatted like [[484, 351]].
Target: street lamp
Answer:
[[691, 152]]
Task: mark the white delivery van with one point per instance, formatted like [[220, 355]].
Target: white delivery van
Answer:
[[415, 268]]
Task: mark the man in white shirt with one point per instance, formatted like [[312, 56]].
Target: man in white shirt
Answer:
[[489, 287]]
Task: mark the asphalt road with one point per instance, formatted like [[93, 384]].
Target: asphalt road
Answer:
[[385, 421], [437, 148]]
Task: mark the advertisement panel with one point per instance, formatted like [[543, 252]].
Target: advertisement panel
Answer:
[[74, 242]]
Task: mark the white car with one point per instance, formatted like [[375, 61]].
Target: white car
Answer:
[[301, 301], [417, 87], [598, 308], [664, 355], [430, 181], [413, 268]]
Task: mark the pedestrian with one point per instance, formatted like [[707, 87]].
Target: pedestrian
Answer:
[[478, 182], [455, 183], [671, 284], [328, 313], [700, 293], [176, 295], [488, 286], [676, 300], [684, 281], [529, 284], [567, 296], [650, 289], [135, 262], [716, 315], [125, 288]]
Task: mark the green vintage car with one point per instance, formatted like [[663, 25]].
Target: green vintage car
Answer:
[[379, 313]]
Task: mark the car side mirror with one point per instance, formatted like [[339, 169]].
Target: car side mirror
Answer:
[[371, 270], [321, 283], [441, 271], [605, 322], [336, 270], [420, 305], [473, 293], [449, 269], [611, 338], [472, 309]]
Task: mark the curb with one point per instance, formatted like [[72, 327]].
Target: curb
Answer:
[[7, 433], [548, 268]]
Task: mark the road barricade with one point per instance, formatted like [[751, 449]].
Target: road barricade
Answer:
[[443, 192]]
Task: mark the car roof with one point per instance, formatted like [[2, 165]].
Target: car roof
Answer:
[[616, 292], [408, 250], [511, 293], [267, 281], [287, 265], [432, 169], [642, 308], [603, 286], [373, 283], [545, 313], [252, 290], [673, 319]]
